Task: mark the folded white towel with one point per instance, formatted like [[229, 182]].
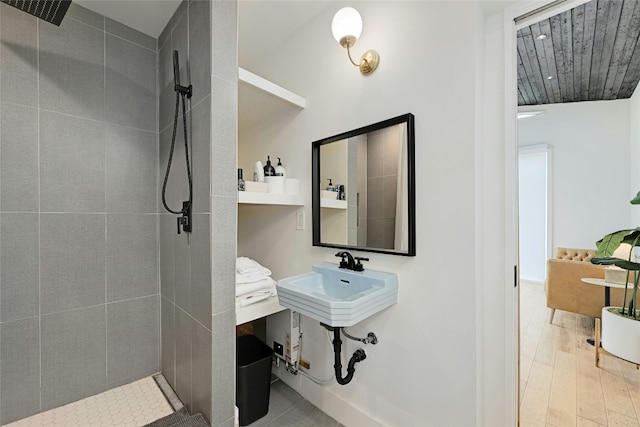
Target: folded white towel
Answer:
[[250, 278], [247, 266], [254, 297], [246, 288]]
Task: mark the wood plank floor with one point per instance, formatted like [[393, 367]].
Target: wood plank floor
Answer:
[[559, 383]]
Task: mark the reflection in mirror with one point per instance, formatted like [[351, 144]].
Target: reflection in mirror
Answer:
[[364, 188]]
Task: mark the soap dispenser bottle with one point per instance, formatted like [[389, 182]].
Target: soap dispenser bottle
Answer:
[[330, 186], [240, 180], [280, 169], [268, 169]]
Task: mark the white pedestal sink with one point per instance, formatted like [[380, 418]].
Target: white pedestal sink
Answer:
[[338, 297]]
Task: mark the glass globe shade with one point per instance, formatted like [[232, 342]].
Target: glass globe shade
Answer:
[[346, 22]]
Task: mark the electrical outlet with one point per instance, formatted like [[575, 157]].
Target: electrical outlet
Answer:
[[278, 349], [300, 219]]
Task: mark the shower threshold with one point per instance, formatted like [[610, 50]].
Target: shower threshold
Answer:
[[131, 405]]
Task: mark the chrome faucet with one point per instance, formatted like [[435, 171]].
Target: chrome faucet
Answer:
[[349, 262]]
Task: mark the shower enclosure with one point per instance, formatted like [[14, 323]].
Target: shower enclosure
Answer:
[[96, 288]]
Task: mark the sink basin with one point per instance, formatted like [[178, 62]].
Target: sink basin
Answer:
[[338, 297]]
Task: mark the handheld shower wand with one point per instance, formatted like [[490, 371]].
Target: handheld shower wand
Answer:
[[184, 220], [188, 90]]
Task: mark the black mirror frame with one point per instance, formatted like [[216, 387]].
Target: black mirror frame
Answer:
[[411, 185]]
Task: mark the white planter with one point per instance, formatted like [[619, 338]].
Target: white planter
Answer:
[[621, 336]]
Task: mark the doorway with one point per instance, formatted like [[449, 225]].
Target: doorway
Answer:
[[534, 207]]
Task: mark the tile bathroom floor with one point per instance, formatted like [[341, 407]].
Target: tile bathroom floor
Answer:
[[135, 404], [287, 408], [142, 402]]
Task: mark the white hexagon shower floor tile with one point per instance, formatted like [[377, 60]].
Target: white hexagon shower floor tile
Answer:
[[130, 405]]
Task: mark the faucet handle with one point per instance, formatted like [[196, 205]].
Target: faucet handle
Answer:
[[359, 266], [343, 262]]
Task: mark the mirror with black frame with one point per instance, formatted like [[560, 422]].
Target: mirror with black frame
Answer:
[[363, 191]]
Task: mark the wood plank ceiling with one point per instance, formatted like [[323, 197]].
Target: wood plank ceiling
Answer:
[[588, 53]]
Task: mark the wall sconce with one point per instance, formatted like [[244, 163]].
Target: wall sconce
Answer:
[[346, 28]]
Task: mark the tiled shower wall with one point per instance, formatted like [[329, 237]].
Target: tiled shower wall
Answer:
[[198, 313], [79, 293], [382, 181]]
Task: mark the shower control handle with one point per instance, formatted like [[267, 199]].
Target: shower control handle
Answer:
[[184, 221]]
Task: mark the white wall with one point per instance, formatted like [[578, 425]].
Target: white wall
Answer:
[[532, 196], [424, 370], [591, 170], [634, 157]]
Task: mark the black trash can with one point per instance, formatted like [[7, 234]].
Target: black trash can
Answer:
[[253, 378]]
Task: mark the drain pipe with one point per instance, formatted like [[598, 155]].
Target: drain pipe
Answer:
[[358, 356]]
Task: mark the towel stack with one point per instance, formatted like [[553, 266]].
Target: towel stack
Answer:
[[253, 282]]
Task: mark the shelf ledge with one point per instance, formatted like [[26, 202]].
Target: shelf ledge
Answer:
[[255, 198], [258, 310], [269, 87], [333, 204]]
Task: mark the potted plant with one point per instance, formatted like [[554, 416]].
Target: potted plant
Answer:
[[621, 325]]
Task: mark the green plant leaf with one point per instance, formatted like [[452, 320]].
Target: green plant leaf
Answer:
[[622, 263], [636, 200], [609, 243]]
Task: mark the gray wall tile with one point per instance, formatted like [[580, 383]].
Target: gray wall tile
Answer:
[[177, 189], [200, 49], [201, 387], [224, 129], [19, 268], [228, 423], [224, 235], [167, 231], [72, 69], [179, 13], [128, 33], [225, 39], [132, 256], [18, 57], [165, 66], [391, 147], [132, 340], [182, 272], [19, 369], [201, 156], [374, 233], [375, 154], [388, 233], [167, 96], [389, 196], [19, 160], [224, 372], [201, 269], [85, 16], [183, 326], [168, 341], [374, 197], [164, 37], [130, 84], [131, 170], [73, 355], [72, 164], [72, 261], [164, 145], [180, 42]]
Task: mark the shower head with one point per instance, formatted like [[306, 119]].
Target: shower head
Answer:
[[48, 10]]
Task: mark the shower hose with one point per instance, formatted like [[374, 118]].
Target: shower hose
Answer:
[[187, 207]]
